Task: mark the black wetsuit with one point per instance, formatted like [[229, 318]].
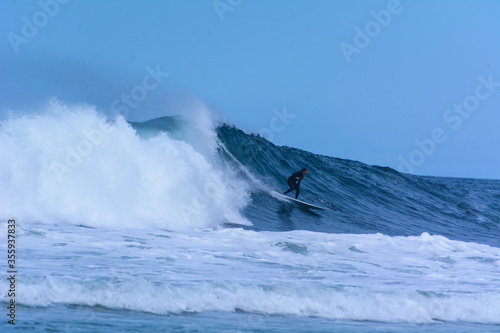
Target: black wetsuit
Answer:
[[294, 183]]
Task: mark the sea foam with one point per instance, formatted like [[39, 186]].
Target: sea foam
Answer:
[[420, 279], [72, 165]]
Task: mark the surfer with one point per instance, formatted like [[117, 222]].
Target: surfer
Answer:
[[294, 182]]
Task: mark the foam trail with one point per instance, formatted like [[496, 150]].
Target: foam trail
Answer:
[[333, 303], [422, 279], [71, 165]]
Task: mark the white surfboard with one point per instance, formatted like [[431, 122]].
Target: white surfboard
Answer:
[[302, 203]]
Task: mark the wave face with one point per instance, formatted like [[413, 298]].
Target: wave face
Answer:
[[179, 215], [367, 199]]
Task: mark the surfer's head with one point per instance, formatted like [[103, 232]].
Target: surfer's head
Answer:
[[304, 171]]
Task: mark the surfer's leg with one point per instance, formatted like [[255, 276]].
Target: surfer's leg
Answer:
[[298, 191], [292, 187]]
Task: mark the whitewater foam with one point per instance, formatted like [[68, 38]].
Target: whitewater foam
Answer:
[[420, 279], [156, 193], [72, 165]]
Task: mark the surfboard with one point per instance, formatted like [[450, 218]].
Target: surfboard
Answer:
[[303, 203]]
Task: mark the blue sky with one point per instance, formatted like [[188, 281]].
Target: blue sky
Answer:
[[418, 88]]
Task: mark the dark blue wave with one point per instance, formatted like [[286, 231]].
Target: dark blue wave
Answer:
[[360, 198], [364, 198]]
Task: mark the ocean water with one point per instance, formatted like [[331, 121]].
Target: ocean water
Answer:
[[171, 225]]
